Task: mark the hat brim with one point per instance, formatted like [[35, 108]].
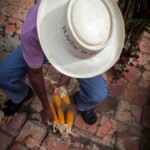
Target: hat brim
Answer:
[[61, 59]]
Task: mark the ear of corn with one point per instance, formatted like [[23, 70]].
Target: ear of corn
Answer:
[[66, 99], [56, 121], [57, 101], [69, 117], [61, 116]]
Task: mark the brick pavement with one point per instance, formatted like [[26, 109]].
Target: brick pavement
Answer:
[[120, 117]]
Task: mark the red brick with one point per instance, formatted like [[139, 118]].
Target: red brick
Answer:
[[144, 83], [128, 113], [143, 61], [79, 122], [45, 68], [10, 29], [145, 44], [15, 124], [36, 104], [31, 131], [20, 14], [147, 66], [107, 128], [17, 146], [146, 56], [108, 106], [146, 116], [122, 127], [19, 31], [2, 19], [5, 141], [54, 144], [146, 34], [9, 10], [133, 75], [146, 75], [145, 48], [127, 141], [117, 88], [135, 94], [16, 22]]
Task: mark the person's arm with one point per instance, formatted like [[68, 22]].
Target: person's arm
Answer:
[[37, 81]]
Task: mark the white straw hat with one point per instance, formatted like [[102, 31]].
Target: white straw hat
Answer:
[[81, 38]]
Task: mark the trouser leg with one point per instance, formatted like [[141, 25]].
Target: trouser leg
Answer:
[[12, 71], [92, 92]]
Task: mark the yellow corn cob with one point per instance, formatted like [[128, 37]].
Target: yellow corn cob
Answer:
[[61, 116], [56, 121], [69, 117], [57, 101], [66, 99]]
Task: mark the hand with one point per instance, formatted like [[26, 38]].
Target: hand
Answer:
[[64, 81], [47, 116]]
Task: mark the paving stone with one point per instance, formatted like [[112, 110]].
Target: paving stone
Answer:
[[108, 106], [15, 124], [145, 49], [36, 116], [5, 141], [121, 126], [18, 31], [36, 105], [2, 19], [145, 40], [145, 45], [146, 116], [128, 113], [107, 128], [147, 66], [143, 61], [147, 56], [20, 14], [146, 34], [18, 146], [127, 141], [10, 29], [144, 83], [30, 134], [133, 75], [54, 144], [117, 88], [135, 94], [16, 22], [82, 125], [146, 75], [45, 68], [10, 43]]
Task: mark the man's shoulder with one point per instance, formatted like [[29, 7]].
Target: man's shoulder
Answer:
[[29, 28]]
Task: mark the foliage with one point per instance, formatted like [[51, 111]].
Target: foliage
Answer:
[[134, 28]]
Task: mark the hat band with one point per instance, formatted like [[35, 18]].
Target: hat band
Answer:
[[69, 41]]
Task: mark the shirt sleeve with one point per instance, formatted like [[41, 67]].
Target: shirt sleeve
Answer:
[[32, 51]]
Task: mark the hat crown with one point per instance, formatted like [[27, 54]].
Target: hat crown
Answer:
[[90, 22]]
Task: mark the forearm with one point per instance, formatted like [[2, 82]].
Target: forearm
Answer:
[[37, 81]]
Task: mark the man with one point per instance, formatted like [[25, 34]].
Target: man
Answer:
[[75, 59]]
